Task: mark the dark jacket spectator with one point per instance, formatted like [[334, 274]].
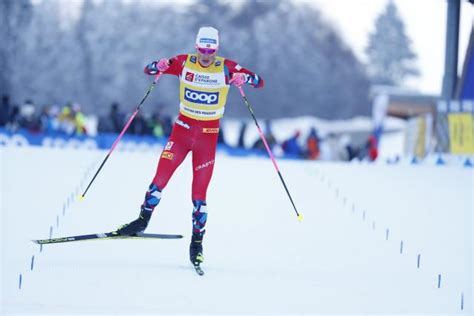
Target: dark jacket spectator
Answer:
[[271, 140], [241, 140], [14, 119], [166, 124], [113, 122], [27, 118], [117, 118], [220, 137], [139, 126], [4, 110]]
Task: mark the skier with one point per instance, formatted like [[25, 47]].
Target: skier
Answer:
[[205, 79]]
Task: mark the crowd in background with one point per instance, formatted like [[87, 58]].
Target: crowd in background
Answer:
[[65, 120], [157, 124], [315, 147], [69, 120]]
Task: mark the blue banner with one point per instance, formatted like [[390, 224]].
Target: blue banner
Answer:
[[102, 141]]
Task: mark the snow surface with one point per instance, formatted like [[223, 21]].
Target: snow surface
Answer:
[[258, 258]]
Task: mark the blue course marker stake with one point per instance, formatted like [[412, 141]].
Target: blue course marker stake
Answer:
[[32, 262], [363, 216], [418, 261], [386, 234], [41, 248], [19, 282], [57, 221], [401, 247], [50, 232], [439, 281], [462, 301]]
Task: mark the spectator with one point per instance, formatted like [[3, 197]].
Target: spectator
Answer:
[[312, 145], [372, 151], [271, 140], [66, 121], [165, 120], [27, 119], [4, 110], [162, 122], [345, 150], [243, 128], [220, 136], [291, 146], [116, 117], [79, 120], [53, 120], [45, 121], [156, 125], [349, 151], [167, 124], [113, 122], [14, 119], [139, 126], [104, 125]]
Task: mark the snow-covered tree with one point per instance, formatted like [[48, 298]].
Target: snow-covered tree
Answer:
[[390, 55], [99, 58], [15, 16], [39, 57]]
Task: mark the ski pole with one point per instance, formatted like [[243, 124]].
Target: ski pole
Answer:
[[122, 132], [300, 216]]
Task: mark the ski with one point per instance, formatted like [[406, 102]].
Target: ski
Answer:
[[102, 236], [197, 268]]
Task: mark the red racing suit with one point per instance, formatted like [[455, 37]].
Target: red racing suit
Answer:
[[203, 93]]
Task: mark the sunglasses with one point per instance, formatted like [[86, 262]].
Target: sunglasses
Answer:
[[206, 51]]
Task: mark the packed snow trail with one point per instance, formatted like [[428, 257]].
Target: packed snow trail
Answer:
[[258, 257]]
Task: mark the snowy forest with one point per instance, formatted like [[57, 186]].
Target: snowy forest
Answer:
[[99, 57]]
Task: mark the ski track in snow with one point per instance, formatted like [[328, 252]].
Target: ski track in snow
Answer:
[[366, 229]]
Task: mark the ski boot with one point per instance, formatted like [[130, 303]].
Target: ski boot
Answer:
[[195, 253], [137, 226], [199, 222], [195, 250], [152, 198]]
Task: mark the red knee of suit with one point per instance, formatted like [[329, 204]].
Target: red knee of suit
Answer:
[[189, 135]]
